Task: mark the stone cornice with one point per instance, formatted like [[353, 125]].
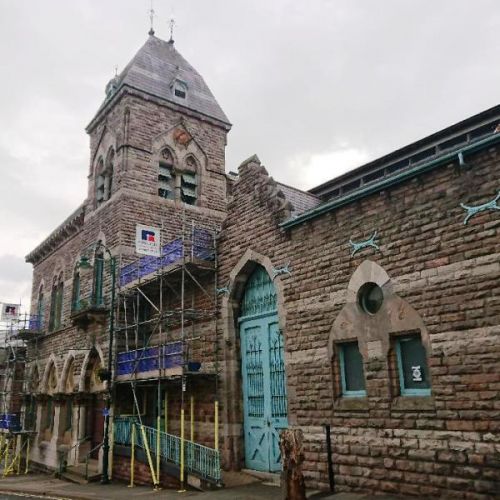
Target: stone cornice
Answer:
[[72, 225]]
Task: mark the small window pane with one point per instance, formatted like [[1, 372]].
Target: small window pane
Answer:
[[413, 364], [353, 379]]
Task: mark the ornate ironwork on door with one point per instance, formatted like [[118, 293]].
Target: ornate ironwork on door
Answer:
[[263, 371]]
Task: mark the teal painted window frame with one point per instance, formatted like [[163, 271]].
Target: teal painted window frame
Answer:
[[345, 392], [98, 295], [405, 391], [75, 303]]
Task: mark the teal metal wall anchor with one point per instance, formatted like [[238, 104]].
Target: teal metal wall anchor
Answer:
[[224, 290], [281, 270], [370, 242], [491, 205], [461, 160]]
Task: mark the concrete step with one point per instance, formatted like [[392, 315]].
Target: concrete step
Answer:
[[267, 478], [76, 473]]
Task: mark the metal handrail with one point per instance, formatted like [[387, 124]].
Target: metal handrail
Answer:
[[66, 454], [87, 458], [201, 460]]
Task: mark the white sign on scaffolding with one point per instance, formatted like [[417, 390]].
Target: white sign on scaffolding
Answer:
[[147, 240], [10, 312]]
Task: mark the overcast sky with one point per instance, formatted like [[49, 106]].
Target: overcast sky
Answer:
[[315, 88]]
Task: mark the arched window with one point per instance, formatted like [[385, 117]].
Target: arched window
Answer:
[[110, 167], [98, 278], [104, 178], [56, 303], [40, 310], [100, 182], [189, 181], [166, 176], [75, 296]]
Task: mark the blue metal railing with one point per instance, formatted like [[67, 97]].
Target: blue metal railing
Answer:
[[200, 246], [199, 460]]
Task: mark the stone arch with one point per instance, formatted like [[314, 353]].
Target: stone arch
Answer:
[[181, 142], [34, 379], [236, 440], [93, 360], [50, 376], [106, 141], [373, 331], [237, 280], [67, 381]]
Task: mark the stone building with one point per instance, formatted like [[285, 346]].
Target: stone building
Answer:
[[365, 312]]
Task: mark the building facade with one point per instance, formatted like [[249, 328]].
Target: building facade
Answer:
[[364, 312]]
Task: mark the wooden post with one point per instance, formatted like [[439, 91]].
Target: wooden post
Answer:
[[292, 479]]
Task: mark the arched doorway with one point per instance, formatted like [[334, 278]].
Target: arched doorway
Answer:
[[94, 418], [263, 373]]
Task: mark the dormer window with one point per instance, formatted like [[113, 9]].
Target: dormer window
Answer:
[[180, 89]]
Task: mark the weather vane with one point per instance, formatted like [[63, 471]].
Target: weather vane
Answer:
[[151, 19], [172, 25]]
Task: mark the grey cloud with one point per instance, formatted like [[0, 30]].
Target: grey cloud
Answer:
[[296, 79]]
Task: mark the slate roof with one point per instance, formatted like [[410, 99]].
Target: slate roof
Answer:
[[301, 200], [154, 69]]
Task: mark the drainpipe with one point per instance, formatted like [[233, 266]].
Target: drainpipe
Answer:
[[331, 477]]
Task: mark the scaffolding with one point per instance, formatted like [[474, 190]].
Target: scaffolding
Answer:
[[17, 403], [163, 305]]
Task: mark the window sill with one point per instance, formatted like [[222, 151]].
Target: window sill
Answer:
[[351, 403], [414, 403]]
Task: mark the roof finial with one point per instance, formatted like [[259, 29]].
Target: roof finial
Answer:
[[172, 25], [151, 19], [116, 70]]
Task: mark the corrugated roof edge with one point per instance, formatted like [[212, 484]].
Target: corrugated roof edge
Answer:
[[406, 150], [387, 182]]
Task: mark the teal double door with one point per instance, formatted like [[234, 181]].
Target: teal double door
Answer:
[[264, 390]]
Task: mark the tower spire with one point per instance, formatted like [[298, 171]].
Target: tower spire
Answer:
[[151, 19]]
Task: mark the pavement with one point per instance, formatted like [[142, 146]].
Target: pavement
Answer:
[[43, 486]]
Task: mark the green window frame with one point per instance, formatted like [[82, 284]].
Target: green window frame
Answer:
[[98, 279], [352, 373], [413, 369], [40, 310], [75, 302]]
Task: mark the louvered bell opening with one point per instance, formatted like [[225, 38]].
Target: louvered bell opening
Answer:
[[165, 173], [188, 191], [189, 179]]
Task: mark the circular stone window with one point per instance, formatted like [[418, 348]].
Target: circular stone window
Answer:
[[370, 298]]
